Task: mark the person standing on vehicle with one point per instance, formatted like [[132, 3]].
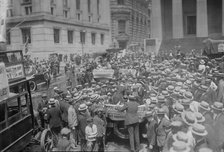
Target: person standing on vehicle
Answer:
[[54, 117], [42, 107], [132, 122]]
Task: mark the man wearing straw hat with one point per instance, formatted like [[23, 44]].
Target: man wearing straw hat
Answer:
[[82, 123], [218, 118], [72, 123], [132, 122], [150, 126], [199, 133]]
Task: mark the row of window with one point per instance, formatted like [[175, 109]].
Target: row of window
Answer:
[[28, 7], [26, 36], [70, 35], [122, 26]]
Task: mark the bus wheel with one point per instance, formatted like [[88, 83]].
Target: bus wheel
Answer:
[[33, 86], [46, 141]]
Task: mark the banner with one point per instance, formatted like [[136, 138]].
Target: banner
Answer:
[[15, 72], [4, 85]]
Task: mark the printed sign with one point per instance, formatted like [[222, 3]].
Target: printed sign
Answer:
[[15, 72], [4, 85], [221, 47]]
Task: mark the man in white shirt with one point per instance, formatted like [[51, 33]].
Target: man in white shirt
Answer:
[[91, 133]]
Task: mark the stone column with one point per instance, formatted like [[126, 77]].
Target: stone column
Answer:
[[177, 19], [202, 18], [156, 22]]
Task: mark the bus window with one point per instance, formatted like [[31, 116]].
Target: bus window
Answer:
[[13, 110], [24, 105], [2, 116]]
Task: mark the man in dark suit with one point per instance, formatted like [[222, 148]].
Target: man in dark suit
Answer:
[[151, 130], [54, 117], [161, 130], [132, 122]]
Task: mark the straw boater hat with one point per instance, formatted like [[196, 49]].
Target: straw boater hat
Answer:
[[94, 97], [178, 108], [77, 96], [165, 93], [161, 111], [199, 130], [181, 136], [170, 88], [200, 118], [51, 101], [186, 102], [161, 99], [82, 107], [188, 95], [202, 62], [179, 146], [65, 131], [188, 118], [217, 106], [203, 88], [205, 106]]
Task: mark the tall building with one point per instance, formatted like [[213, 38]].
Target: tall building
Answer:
[[129, 21], [186, 22], [58, 26]]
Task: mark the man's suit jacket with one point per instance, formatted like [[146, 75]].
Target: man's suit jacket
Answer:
[[64, 110], [151, 132], [131, 116], [161, 132], [219, 128], [54, 117]]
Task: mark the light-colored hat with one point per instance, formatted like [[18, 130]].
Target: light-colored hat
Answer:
[[179, 146], [199, 129], [65, 131], [82, 107], [51, 101], [178, 108], [188, 95], [188, 118], [204, 105], [180, 136], [217, 106], [200, 118]]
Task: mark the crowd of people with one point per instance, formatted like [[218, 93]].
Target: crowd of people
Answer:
[[182, 98]]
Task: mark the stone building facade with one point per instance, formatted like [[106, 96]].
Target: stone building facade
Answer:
[[187, 22], [130, 22], [58, 26]]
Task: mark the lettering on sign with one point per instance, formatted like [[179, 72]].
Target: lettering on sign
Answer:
[[15, 72]]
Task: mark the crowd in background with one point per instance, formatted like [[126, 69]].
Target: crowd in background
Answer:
[[182, 97]]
